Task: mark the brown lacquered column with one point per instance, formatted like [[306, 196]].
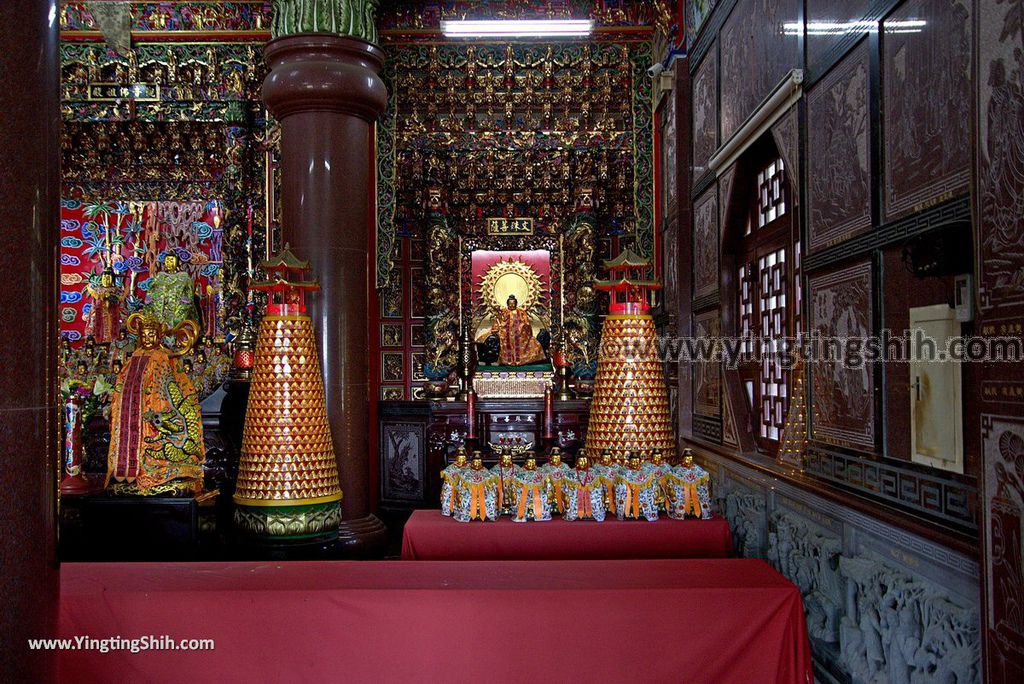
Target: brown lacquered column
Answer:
[[29, 223], [326, 92]]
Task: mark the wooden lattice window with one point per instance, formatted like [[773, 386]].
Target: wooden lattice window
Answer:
[[768, 299]]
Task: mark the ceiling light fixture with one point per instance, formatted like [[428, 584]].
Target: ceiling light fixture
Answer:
[[516, 28]]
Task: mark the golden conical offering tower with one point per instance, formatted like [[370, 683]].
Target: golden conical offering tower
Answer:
[[287, 477], [629, 412]]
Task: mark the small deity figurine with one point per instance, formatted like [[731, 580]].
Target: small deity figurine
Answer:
[[533, 493], [660, 470], [451, 479], [156, 442], [477, 493], [607, 472], [584, 493], [512, 327], [171, 299], [688, 486], [505, 473], [104, 319], [557, 472], [636, 492]]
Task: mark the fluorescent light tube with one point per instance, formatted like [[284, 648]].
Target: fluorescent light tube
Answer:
[[516, 28]]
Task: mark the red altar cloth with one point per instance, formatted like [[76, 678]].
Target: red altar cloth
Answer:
[[721, 621], [429, 535]]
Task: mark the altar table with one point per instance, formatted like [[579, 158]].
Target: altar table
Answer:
[[719, 620], [428, 535]]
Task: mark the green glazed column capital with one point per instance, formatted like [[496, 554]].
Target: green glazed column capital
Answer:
[[356, 18]]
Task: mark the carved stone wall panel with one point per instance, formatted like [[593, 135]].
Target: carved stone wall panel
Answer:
[[1003, 451], [757, 53], [696, 13], [705, 244], [403, 460], [786, 133], [882, 605], [1000, 155], [669, 159], [707, 375], [843, 402], [705, 113], [822, 16], [838, 152], [926, 80], [725, 181]]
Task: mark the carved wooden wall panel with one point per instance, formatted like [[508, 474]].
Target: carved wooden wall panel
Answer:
[[841, 308], [705, 244], [757, 52], [707, 381], [705, 113], [926, 99], [839, 167], [821, 38]]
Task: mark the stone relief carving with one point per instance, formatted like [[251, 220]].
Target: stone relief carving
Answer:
[[705, 243], [745, 511], [900, 629], [810, 560], [705, 113], [707, 375]]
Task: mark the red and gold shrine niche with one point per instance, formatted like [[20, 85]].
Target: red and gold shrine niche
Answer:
[[287, 475], [629, 414]]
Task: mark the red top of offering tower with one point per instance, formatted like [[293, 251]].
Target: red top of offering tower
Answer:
[[285, 284], [628, 284]]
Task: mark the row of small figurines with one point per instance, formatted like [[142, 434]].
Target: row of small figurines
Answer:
[[632, 488]]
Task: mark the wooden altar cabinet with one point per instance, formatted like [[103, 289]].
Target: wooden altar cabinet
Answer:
[[419, 438]]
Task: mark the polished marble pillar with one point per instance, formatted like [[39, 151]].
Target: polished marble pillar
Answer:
[[326, 92], [29, 223]]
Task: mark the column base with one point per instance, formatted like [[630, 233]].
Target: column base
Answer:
[[363, 537]]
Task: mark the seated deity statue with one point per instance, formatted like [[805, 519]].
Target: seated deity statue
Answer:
[[689, 496], [636, 492], [477, 493], [533, 493], [518, 346], [607, 472], [557, 472], [451, 479], [171, 298], [156, 442], [505, 472], [584, 493]]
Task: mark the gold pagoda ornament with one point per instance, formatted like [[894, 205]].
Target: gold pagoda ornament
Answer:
[[287, 484], [794, 433], [629, 412]]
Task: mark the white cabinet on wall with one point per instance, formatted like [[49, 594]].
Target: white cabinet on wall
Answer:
[[936, 396]]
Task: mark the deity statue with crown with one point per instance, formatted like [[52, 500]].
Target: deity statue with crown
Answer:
[[532, 492], [505, 472], [477, 493], [156, 442], [584, 493], [557, 473], [103, 322], [607, 472], [451, 480], [689, 496], [636, 492], [171, 297]]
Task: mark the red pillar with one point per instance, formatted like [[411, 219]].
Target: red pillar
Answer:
[[29, 223], [326, 92]]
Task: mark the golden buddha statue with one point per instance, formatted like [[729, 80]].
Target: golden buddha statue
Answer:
[[533, 493], [156, 442], [451, 479], [584, 493], [514, 331]]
